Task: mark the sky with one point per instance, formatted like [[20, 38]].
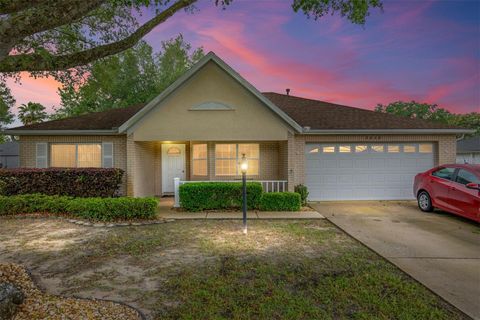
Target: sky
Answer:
[[428, 51]]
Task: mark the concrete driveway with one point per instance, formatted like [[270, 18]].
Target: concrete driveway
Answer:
[[438, 249]]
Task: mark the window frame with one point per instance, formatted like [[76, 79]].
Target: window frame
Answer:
[[76, 144], [196, 159], [237, 159]]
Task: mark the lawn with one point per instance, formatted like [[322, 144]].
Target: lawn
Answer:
[[209, 270]]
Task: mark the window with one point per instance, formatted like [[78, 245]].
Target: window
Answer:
[[314, 150], [360, 148], [444, 173], [377, 148], [228, 156], [464, 177], [409, 148], [425, 148], [199, 159], [344, 149], [391, 148], [328, 149], [173, 151], [76, 155]]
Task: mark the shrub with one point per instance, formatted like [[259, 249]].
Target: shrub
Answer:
[[280, 201], [103, 209], [75, 182], [197, 196], [303, 192]]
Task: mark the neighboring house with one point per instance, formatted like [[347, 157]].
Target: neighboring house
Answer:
[[468, 150], [199, 127], [9, 155]]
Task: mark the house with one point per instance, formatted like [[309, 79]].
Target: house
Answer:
[[199, 127], [9, 155], [468, 150]]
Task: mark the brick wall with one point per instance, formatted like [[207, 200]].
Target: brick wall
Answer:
[[445, 149], [28, 149]]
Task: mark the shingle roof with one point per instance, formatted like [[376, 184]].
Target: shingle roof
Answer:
[[104, 120], [469, 145], [320, 115]]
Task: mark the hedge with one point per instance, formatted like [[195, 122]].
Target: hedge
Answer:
[[102, 209], [75, 182], [197, 196], [280, 201]]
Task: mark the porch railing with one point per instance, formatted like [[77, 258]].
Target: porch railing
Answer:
[[268, 186]]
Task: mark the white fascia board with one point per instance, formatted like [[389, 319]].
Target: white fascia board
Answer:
[[21, 132], [388, 131], [187, 75]]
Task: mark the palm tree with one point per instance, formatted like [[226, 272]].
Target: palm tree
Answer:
[[32, 112]]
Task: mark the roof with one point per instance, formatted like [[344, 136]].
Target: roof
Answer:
[[104, 120], [320, 115], [468, 145], [9, 149]]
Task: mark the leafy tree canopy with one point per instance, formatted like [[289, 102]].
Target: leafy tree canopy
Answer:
[[134, 76], [32, 112], [432, 112]]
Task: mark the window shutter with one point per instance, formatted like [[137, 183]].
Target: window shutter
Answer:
[[107, 155], [41, 155]]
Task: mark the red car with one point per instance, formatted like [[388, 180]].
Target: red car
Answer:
[[452, 187]]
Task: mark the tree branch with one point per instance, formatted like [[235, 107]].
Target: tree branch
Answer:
[[44, 17], [12, 6], [46, 61]]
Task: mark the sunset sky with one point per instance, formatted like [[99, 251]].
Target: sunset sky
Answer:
[[427, 51]]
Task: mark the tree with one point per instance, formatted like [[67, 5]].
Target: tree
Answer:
[[134, 76], [32, 112], [6, 102], [54, 35], [432, 112]]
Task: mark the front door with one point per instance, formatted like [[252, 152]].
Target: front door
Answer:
[[173, 165]]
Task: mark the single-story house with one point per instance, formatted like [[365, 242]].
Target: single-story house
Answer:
[[199, 127], [9, 155], [468, 150]]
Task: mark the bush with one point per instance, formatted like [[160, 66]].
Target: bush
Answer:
[[102, 209], [75, 182], [280, 201], [197, 196], [303, 192]]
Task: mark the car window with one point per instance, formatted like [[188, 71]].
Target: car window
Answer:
[[464, 177], [444, 173]]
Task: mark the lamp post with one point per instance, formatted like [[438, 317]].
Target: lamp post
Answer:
[[244, 168]]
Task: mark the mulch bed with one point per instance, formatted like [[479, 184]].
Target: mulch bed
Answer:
[[40, 305]]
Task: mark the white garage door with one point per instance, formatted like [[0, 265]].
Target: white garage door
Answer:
[[366, 171]]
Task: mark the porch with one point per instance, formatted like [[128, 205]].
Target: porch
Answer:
[[153, 166]]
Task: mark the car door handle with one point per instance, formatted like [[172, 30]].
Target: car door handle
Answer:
[[453, 188]]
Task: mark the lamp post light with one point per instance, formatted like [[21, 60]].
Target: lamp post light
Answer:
[[244, 168]]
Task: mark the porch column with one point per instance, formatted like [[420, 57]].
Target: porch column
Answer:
[[291, 162], [130, 166]]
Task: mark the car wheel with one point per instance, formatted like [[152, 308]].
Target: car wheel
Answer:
[[424, 201]]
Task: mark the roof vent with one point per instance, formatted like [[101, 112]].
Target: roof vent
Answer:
[[288, 91]]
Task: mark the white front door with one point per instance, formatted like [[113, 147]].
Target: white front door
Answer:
[[173, 165]]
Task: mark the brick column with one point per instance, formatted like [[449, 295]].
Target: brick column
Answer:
[[447, 149]]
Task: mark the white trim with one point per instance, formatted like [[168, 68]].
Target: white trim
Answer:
[[58, 132], [45, 157], [386, 131], [187, 75]]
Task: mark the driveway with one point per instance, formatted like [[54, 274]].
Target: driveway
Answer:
[[438, 249]]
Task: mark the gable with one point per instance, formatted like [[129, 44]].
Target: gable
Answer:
[[210, 105]]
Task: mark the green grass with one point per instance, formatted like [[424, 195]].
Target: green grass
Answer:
[[210, 270]]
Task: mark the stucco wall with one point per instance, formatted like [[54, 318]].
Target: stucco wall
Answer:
[[445, 149], [250, 119], [28, 149]]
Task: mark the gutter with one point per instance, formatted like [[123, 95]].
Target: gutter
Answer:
[[59, 132], [308, 131]]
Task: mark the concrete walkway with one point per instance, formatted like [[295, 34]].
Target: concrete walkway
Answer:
[[166, 211], [438, 249]]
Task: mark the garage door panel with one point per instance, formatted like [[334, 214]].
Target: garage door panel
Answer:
[[364, 175]]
